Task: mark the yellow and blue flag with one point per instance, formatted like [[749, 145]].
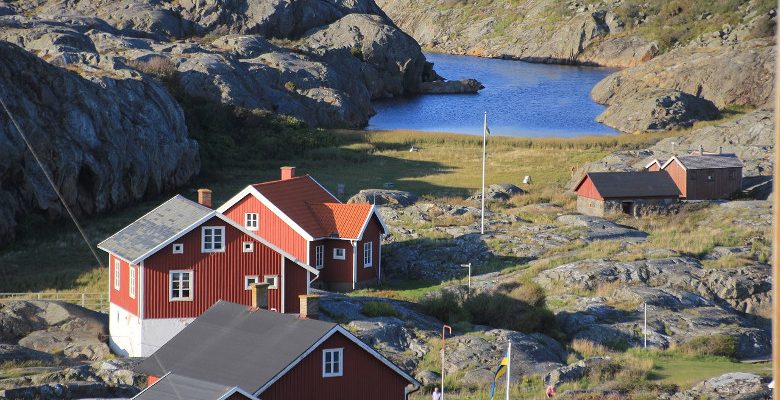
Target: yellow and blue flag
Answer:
[[501, 370]]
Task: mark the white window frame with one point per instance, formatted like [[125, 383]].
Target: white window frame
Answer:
[[191, 286], [117, 274], [178, 248], [203, 235], [343, 255], [247, 285], [248, 247], [251, 221], [131, 282], [368, 254], [339, 364], [319, 256], [274, 284]]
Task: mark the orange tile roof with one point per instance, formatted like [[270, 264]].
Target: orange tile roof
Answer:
[[314, 209]]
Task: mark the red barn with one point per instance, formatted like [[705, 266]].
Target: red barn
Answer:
[[706, 176], [172, 264], [297, 214], [634, 193], [273, 357]]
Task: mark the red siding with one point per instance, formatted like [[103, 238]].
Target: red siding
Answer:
[[295, 284], [365, 377], [679, 176], [122, 297], [237, 396], [151, 379], [271, 227], [216, 275], [588, 189], [373, 230], [337, 271], [654, 168]]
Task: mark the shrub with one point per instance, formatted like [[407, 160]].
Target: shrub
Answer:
[[357, 52], [159, 67], [378, 309], [714, 345], [290, 85], [588, 349]]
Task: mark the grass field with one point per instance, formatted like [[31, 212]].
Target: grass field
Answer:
[[53, 257]]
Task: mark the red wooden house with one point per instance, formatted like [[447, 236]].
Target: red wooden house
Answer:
[[705, 176], [232, 350], [634, 193], [297, 214], [172, 264]]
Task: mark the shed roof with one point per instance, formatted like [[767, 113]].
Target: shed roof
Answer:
[[707, 161], [632, 184], [342, 220], [154, 228]]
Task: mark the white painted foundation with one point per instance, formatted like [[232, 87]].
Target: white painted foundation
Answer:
[[132, 337], [156, 332]]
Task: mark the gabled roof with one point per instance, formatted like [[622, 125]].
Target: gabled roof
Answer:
[[168, 222], [234, 346], [178, 387], [310, 209], [632, 184], [707, 161], [655, 161], [146, 233]]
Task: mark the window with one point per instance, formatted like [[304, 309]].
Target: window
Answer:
[[339, 254], [213, 239], [117, 273], [178, 248], [250, 221], [272, 281], [131, 282], [332, 362], [319, 256], [250, 280], [248, 247], [368, 254], [180, 285]]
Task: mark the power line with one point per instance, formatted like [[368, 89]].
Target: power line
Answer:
[[51, 181]]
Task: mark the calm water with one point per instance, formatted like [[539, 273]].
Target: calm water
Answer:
[[521, 99]]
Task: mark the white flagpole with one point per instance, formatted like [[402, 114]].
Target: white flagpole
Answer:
[[508, 368], [484, 155]]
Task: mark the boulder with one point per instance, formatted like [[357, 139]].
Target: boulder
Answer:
[[658, 109], [597, 228], [731, 386], [451, 87], [573, 372], [384, 197], [11, 353], [499, 192]]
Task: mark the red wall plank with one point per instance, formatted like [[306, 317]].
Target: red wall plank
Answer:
[[122, 297], [588, 189], [373, 230], [365, 377], [217, 275]]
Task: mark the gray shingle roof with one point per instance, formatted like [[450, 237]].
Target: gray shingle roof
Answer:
[[710, 161], [634, 184], [154, 228], [231, 346], [177, 387]]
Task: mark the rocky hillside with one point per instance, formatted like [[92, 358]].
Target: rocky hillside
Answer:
[[98, 86], [106, 140], [609, 33]]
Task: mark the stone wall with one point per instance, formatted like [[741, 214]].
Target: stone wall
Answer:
[[637, 207]]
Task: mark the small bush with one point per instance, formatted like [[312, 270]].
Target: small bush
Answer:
[[357, 52], [588, 349], [159, 67], [714, 345], [378, 309], [290, 85]]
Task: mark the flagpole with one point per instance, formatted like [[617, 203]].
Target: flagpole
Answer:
[[484, 155], [508, 368]]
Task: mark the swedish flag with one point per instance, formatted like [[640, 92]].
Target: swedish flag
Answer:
[[501, 370]]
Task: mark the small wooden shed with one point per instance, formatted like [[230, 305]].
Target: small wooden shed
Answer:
[[634, 193], [706, 176]]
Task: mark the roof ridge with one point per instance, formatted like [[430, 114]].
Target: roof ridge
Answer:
[[279, 180]]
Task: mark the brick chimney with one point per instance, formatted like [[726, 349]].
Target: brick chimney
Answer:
[[310, 306], [204, 197], [260, 295], [288, 173]]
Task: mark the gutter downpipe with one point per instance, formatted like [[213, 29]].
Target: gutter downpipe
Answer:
[[407, 392]]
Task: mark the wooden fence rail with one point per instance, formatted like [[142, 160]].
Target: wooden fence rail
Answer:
[[92, 301]]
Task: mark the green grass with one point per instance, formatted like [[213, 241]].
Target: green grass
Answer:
[[682, 370]]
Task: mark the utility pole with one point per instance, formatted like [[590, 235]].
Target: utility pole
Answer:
[[469, 284], [448, 329], [645, 325]]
